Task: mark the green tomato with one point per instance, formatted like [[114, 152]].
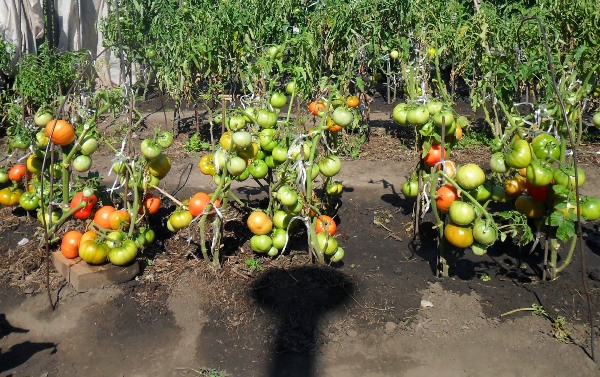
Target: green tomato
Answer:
[[124, 254], [461, 213], [400, 114], [241, 139], [446, 117], [590, 208], [261, 243], [29, 201], [93, 253], [236, 166], [278, 100], [483, 233], [20, 142], [338, 255], [280, 154], [497, 163], [281, 219], [150, 149], [565, 175], [326, 244], [41, 140], [180, 219], [435, 107], [418, 116], [165, 139], [115, 238], [290, 88], [258, 169], [42, 118], [236, 123], [279, 238], [3, 176], [342, 117], [159, 166], [596, 119], [545, 146], [89, 145], [266, 119], [410, 188], [54, 216], [519, 155], [539, 173], [470, 176], [287, 196], [481, 193], [82, 163], [330, 165]]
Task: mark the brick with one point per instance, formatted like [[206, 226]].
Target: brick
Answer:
[[83, 276]]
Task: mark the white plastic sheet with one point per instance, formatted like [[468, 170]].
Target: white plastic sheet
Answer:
[[21, 23]]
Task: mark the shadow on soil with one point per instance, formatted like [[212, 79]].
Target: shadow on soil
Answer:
[[298, 299], [19, 353]]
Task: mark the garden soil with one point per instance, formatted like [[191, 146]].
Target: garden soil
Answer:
[[382, 312]]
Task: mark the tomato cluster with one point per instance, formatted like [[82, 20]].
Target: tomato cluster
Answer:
[[259, 145]]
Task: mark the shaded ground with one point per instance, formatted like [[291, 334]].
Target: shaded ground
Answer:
[[380, 313]]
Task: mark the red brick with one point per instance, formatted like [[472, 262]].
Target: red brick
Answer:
[[83, 276]]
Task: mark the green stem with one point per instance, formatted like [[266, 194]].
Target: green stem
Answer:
[[518, 310], [569, 256], [442, 265]]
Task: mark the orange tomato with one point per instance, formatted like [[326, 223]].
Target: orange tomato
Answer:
[[150, 204], [449, 168], [445, 195], [197, 203], [458, 133], [90, 235], [352, 101], [69, 247], [331, 126], [119, 219], [60, 132], [316, 106], [101, 218], [259, 223], [324, 222]]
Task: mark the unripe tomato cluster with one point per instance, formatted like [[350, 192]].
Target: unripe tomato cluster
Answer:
[[258, 145]]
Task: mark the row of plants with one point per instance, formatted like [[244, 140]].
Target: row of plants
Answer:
[[533, 167], [47, 172]]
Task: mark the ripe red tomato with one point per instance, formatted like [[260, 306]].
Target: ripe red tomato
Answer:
[[434, 155], [86, 211], [17, 172], [324, 222]]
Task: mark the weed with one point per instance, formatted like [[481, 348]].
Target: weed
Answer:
[[253, 264], [196, 144]]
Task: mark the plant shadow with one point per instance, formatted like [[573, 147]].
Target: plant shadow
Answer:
[[299, 300]]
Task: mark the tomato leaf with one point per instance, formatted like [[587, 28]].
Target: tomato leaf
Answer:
[[565, 230]]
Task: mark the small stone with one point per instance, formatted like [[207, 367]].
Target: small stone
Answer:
[[23, 242], [352, 333], [426, 304], [389, 327]]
